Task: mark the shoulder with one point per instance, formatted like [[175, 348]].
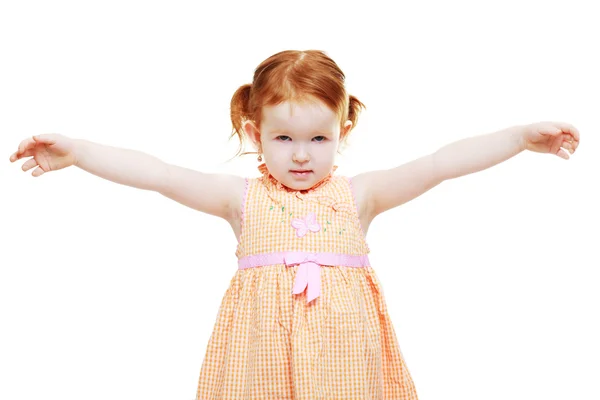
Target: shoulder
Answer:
[[242, 189], [359, 186], [353, 189], [238, 186]]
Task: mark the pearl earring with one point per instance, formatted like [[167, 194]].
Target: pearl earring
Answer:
[[259, 158]]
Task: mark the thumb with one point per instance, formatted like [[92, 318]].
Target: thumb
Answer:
[[553, 130], [47, 138]]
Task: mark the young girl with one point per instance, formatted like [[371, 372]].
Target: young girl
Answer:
[[304, 316]]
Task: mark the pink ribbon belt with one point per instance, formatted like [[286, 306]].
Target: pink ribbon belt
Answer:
[[308, 275]]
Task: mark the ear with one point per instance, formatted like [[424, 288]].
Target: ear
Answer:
[[345, 130], [252, 133]]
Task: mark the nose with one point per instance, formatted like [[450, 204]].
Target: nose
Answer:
[[300, 155]]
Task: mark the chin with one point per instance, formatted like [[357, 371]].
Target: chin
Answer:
[[304, 186], [298, 185]]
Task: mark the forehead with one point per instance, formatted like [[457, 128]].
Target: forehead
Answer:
[[299, 116]]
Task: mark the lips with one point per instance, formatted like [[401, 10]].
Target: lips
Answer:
[[301, 173]]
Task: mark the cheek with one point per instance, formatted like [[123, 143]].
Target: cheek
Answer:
[[279, 151], [324, 149]]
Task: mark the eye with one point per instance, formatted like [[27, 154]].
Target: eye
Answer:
[[319, 138], [283, 138]]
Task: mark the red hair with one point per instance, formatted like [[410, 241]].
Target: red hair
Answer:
[[297, 76]]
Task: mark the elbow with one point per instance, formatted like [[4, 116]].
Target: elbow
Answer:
[[163, 184], [439, 172]]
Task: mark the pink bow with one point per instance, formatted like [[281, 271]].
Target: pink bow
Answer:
[[308, 274], [309, 271]]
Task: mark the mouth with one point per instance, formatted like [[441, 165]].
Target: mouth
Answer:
[[301, 172]]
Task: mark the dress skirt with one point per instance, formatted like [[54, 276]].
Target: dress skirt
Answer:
[[270, 344]]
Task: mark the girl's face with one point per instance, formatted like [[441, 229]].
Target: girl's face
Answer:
[[299, 142]]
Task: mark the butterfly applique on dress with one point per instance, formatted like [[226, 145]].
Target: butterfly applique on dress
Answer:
[[309, 223]]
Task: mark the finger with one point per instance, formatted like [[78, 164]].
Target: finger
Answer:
[[562, 154], [16, 155], [37, 172], [569, 143], [568, 146], [573, 146], [25, 144], [569, 129], [567, 140], [29, 164]]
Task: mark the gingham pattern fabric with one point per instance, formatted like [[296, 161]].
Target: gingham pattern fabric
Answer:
[[270, 344]]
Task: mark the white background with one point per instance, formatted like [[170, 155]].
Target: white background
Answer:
[[491, 279]]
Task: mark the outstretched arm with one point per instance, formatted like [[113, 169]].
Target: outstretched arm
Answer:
[[386, 189], [215, 194]]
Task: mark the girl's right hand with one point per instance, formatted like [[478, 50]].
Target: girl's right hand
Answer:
[[50, 152]]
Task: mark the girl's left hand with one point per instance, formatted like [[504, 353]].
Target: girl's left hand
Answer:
[[551, 137]]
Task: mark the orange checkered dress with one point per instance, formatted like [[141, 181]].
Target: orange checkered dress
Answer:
[[330, 339]]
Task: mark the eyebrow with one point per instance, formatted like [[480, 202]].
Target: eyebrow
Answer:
[[286, 132]]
